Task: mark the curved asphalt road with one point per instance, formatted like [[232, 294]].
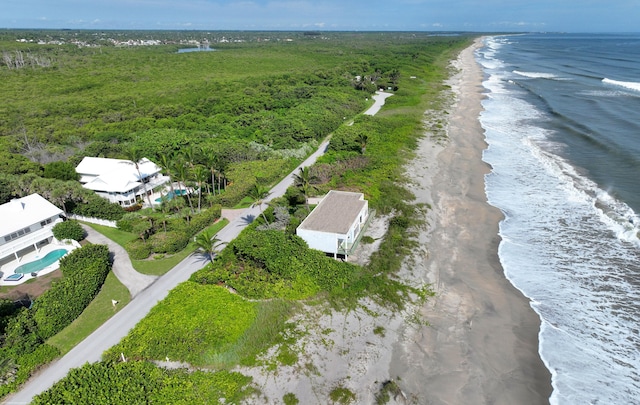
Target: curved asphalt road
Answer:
[[111, 332]]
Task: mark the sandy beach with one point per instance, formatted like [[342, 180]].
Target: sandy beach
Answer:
[[481, 342]]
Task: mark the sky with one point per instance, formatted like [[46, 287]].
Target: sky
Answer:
[[327, 15]]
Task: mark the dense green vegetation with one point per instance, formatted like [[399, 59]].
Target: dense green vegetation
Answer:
[[23, 348], [231, 123], [107, 383]]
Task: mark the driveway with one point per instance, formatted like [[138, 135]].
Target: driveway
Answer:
[[122, 268]]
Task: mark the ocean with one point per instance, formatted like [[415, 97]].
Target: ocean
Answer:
[[562, 122]]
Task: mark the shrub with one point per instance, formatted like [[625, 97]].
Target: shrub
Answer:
[[138, 250], [168, 242], [60, 170], [68, 230], [97, 207], [290, 399]]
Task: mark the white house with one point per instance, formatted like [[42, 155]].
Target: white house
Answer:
[[117, 180], [26, 222], [335, 223]]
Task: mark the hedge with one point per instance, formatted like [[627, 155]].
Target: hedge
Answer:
[[85, 270], [97, 207], [23, 349]]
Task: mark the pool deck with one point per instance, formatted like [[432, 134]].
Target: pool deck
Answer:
[[9, 268]]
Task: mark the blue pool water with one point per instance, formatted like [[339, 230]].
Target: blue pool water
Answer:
[[37, 265], [14, 277], [171, 194]]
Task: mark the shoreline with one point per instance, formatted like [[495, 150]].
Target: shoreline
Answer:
[[482, 343]]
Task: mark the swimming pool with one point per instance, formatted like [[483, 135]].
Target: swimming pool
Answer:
[[171, 194], [37, 265]]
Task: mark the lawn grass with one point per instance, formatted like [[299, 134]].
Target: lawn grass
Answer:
[[154, 267], [115, 234], [97, 313], [244, 203]]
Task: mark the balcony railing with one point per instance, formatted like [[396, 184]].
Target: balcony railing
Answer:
[[348, 250]]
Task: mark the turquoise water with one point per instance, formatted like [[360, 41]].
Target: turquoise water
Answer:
[[172, 194], [14, 277], [37, 265]]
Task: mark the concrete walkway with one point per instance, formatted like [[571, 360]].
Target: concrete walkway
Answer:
[[122, 267]]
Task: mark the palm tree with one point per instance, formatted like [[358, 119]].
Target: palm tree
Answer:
[[303, 180], [135, 157], [182, 175], [166, 160], [258, 194], [216, 165], [201, 175], [361, 139], [190, 156], [208, 244]]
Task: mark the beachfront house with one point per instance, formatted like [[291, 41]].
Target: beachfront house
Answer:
[[117, 180], [26, 224], [335, 224]]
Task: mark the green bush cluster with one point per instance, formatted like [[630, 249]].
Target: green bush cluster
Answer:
[[267, 264], [139, 249], [84, 271], [140, 382], [68, 230], [168, 242], [162, 234], [97, 207], [243, 176]]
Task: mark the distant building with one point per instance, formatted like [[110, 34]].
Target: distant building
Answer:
[[336, 223], [26, 222], [117, 180]]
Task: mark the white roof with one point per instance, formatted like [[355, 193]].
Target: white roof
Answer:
[[22, 212], [113, 175]]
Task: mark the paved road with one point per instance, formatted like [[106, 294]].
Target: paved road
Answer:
[[111, 332]]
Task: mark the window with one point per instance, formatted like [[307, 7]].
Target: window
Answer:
[[17, 234]]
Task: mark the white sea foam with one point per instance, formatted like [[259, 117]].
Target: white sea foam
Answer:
[[567, 245], [536, 75], [627, 85]]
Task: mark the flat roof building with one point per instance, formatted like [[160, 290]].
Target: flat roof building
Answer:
[[336, 222]]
